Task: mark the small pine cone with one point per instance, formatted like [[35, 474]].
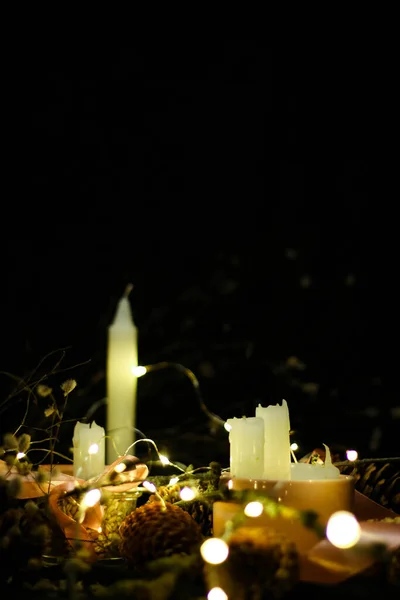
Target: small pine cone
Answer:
[[154, 531], [169, 493], [202, 513], [260, 564]]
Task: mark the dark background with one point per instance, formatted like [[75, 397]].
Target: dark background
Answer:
[[242, 191]]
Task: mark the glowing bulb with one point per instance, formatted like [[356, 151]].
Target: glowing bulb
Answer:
[[351, 454], [214, 551], [227, 426], [163, 459], [20, 455], [173, 480], [217, 593], [253, 509], [149, 486], [294, 446], [93, 449], [120, 467], [139, 371], [343, 529], [187, 493], [99, 529], [230, 484], [92, 497]]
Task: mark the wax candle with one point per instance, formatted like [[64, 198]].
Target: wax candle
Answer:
[[122, 358], [276, 440], [89, 450], [246, 437], [302, 471]]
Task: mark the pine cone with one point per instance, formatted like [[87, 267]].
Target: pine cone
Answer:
[[260, 564], [201, 512], [169, 493], [380, 482], [154, 531]]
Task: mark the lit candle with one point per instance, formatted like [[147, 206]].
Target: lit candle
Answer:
[[122, 359], [246, 437], [89, 450], [276, 441]]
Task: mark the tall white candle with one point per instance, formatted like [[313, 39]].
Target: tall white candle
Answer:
[[246, 437], [122, 358], [89, 450], [276, 440]]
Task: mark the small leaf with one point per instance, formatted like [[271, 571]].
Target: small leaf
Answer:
[[24, 441], [43, 390], [10, 442], [68, 386], [49, 411], [10, 460]]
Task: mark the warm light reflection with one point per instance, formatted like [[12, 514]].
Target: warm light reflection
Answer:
[[91, 498], [149, 486], [214, 551], [163, 459], [93, 449], [187, 494], [20, 455], [139, 371], [343, 530], [120, 467], [253, 509], [217, 593], [351, 454]]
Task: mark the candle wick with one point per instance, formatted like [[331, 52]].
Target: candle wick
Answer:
[[128, 290]]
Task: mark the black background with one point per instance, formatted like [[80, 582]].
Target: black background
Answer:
[[243, 191]]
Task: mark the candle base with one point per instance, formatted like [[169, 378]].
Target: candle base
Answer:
[[323, 496]]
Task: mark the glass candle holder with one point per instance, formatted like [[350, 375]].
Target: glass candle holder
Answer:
[[118, 506]]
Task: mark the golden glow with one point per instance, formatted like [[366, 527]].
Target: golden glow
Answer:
[[214, 551], [99, 529], [139, 371], [163, 459], [91, 498], [20, 455], [294, 446], [120, 467], [253, 509], [343, 530], [149, 486], [351, 454], [217, 593], [187, 493], [93, 449]]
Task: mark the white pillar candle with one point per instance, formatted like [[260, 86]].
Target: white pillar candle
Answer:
[[89, 450], [122, 359], [276, 440], [246, 437]]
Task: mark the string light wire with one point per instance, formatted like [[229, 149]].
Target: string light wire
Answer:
[[139, 371]]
